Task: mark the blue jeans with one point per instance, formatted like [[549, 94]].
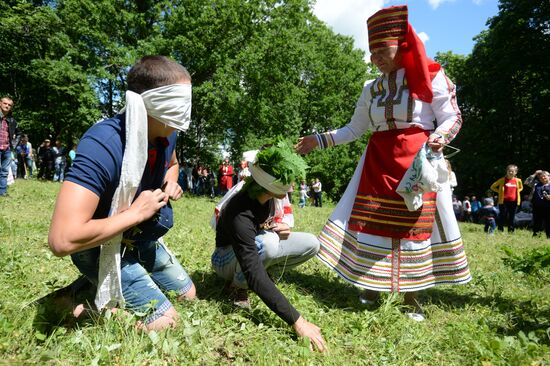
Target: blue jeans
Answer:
[[28, 161], [274, 253], [490, 225], [146, 270], [59, 174], [5, 166]]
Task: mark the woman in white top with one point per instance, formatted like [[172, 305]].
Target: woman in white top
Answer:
[[371, 239]]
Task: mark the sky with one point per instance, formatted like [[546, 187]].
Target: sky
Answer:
[[443, 25]]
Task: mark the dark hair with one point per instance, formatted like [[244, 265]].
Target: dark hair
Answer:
[[151, 72]]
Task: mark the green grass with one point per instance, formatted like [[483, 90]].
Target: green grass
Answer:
[[500, 318]]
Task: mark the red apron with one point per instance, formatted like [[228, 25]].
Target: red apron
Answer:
[[378, 209]]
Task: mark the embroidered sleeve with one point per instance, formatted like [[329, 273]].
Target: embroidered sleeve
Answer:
[[359, 124], [445, 107]]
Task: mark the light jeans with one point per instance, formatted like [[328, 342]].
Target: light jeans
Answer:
[[5, 165], [59, 174], [274, 253]]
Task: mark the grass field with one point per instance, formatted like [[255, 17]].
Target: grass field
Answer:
[[500, 318]]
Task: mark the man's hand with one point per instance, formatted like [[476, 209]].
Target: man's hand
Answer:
[[306, 329], [306, 144], [148, 203], [172, 190], [283, 230]]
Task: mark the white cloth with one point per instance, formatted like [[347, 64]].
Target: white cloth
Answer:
[[268, 181], [426, 174], [370, 111], [317, 187], [261, 177], [109, 289], [171, 105]]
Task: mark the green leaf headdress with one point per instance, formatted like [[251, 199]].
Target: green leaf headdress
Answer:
[[276, 167]]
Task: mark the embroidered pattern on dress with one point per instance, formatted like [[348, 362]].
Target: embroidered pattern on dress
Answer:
[[391, 217], [370, 264], [396, 243]]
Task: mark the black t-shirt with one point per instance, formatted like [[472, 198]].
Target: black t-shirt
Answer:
[[238, 226]]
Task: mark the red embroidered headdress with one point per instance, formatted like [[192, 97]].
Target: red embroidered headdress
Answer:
[[390, 27]]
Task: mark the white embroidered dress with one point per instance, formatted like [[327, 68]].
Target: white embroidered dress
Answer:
[[383, 263]]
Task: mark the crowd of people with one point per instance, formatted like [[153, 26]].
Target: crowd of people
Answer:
[[504, 205], [19, 160], [201, 180]]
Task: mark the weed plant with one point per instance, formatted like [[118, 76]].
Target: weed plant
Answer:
[[501, 317]]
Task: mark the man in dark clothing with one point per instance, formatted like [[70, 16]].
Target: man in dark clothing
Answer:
[[46, 158], [9, 139]]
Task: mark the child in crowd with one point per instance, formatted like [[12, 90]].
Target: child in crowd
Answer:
[[303, 194], [488, 214], [508, 188]]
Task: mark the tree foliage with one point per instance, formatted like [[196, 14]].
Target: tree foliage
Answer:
[[504, 94], [260, 69], [264, 68]]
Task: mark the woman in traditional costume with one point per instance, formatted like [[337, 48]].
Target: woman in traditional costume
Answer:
[[372, 239]]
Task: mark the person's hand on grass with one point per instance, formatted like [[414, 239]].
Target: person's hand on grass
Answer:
[[306, 329]]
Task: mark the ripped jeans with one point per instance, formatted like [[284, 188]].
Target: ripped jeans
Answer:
[[146, 270]]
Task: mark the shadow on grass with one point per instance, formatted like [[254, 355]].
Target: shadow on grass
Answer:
[[523, 315], [330, 293], [56, 308]]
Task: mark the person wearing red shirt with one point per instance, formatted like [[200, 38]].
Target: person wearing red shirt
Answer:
[[226, 176], [509, 197]]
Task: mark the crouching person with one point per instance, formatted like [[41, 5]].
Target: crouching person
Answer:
[[252, 236], [113, 208]]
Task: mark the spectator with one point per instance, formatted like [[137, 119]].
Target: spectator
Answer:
[[9, 139], [59, 152], [540, 182], [488, 214], [243, 170], [197, 174], [303, 194], [72, 155], [457, 208], [24, 158], [508, 188], [311, 192], [526, 205], [46, 160], [188, 170], [452, 176], [290, 191], [225, 174], [317, 193], [466, 209], [476, 205]]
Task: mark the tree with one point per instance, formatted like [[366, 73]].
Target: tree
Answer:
[[504, 95], [262, 69], [52, 94]]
